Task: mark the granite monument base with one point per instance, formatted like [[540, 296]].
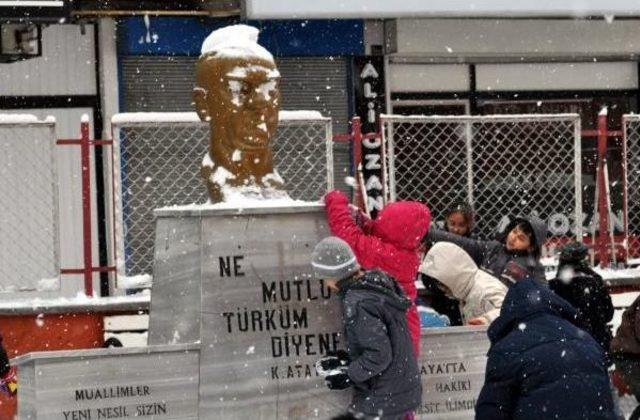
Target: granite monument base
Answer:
[[452, 366], [159, 382], [238, 281]]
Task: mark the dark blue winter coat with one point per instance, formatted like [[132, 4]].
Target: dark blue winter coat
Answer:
[[540, 365]]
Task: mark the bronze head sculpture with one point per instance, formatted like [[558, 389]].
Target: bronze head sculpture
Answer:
[[237, 94]]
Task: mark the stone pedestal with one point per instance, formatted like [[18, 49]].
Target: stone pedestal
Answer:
[[238, 282], [159, 382], [236, 325], [452, 364]]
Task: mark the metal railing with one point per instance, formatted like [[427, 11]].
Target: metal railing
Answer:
[[501, 165], [29, 215], [631, 155]]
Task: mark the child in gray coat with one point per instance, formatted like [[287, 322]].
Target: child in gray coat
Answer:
[[380, 363]]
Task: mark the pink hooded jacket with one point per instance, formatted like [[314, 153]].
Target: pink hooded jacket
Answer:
[[389, 243]]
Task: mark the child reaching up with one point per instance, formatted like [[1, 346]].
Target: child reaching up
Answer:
[[389, 243], [480, 294], [520, 249]]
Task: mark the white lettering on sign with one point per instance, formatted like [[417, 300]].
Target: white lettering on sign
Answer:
[[373, 183], [369, 71], [371, 113], [373, 158], [372, 143], [376, 203], [373, 162], [368, 93]]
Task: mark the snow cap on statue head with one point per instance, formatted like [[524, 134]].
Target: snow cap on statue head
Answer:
[[235, 41]]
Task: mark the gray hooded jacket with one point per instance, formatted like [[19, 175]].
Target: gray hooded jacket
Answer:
[[384, 368]]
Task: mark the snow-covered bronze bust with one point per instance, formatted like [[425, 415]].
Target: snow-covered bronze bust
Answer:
[[237, 93]]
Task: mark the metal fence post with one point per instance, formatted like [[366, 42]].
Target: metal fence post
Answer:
[[469, 144], [578, 180], [86, 208], [625, 188], [603, 213]]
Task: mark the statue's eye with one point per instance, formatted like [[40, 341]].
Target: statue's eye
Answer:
[[238, 87]]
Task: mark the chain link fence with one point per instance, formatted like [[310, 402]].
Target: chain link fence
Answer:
[[631, 124], [29, 245], [501, 165], [157, 163]]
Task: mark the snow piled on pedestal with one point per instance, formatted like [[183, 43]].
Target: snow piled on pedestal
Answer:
[[245, 198]]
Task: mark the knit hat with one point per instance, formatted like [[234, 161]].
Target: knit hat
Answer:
[[332, 258], [573, 252]]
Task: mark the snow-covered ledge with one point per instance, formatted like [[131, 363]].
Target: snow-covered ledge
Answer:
[[80, 303]]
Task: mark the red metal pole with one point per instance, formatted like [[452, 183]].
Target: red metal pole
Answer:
[[356, 136], [86, 208], [114, 144], [603, 220]]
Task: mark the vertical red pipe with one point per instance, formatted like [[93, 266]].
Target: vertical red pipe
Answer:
[[86, 208], [603, 221], [356, 137], [114, 144]]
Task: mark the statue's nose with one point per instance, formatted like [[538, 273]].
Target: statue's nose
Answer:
[[258, 98]]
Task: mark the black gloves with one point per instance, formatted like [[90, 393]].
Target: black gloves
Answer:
[[332, 360], [338, 379], [333, 367]]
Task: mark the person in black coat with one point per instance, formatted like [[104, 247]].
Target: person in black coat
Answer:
[[516, 254], [540, 365], [583, 288], [380, 363]]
